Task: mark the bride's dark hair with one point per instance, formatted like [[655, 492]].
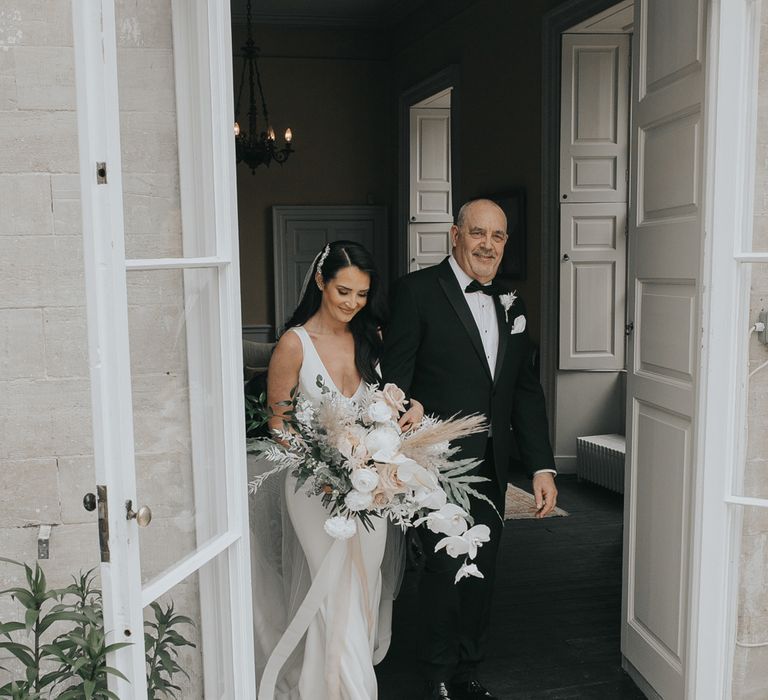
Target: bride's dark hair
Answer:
[[366, 323]]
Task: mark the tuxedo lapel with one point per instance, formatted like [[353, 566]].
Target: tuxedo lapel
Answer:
[[456, 298], [503, 337]]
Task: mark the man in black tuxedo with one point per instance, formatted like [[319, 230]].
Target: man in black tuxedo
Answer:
[[459, 345]]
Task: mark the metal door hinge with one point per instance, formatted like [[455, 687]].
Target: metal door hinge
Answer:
[[103, 513], [101, 173], [629, 328]]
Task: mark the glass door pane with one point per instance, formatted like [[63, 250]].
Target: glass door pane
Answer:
[[176, 379], [165, 133]]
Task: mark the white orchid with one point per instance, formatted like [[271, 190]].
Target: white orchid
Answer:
[[416, 476], [467, 543], [454, 545], [340, 527], [475, 537], [448, 520], [434, 499], [468, 570]]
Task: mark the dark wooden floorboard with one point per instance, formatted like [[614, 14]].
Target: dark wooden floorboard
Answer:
[[557, 608]]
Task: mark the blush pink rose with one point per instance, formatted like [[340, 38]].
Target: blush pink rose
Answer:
[[395, 397]]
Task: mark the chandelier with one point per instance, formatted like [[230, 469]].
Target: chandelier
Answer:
[[251, 146]]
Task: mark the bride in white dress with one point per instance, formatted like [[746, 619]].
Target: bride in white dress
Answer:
[[322, 607]]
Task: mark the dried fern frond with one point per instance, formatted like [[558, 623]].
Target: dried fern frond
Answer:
[[255, 484], [445, 431]]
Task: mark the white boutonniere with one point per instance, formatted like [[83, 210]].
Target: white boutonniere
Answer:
[[506, 301]]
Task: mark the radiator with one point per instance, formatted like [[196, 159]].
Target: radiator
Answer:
[[600, 459]]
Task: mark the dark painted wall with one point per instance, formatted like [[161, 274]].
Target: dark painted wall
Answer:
[[339, 91]]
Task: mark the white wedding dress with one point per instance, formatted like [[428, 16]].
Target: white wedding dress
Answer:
[[326, 599]]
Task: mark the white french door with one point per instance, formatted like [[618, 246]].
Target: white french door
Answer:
[[666, 239], [154, 99]]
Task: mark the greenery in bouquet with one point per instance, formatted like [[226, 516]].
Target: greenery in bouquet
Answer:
[[353, 456]]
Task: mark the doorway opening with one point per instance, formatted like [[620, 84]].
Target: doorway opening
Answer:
[[428, 170]]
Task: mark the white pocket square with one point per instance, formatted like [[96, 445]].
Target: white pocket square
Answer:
[[518, 326]]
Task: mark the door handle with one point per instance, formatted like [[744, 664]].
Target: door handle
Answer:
[[566, 257], [143, 516]]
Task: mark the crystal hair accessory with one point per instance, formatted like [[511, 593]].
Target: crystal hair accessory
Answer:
[[320, 262]]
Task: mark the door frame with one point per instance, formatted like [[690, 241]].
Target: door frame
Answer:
[[732, 28], [555, 23], [449, 77]]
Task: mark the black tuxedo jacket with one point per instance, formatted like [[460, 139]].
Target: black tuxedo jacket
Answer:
[[433, 351]]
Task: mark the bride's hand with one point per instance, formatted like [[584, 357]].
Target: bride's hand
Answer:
[[412, 417]]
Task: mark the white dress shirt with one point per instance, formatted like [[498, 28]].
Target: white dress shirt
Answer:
[[484, 312]]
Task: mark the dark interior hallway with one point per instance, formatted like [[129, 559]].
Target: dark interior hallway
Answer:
[[555, 629]]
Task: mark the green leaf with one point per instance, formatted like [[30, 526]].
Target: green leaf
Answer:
[[52, 617], [11, 561], [7, 627], [22, 595], [114, 672], [30, 618], [20, 651]]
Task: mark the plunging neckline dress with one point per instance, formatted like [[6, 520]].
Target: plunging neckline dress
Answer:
[[340, 624]]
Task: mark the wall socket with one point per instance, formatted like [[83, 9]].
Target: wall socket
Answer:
[[762, 336]]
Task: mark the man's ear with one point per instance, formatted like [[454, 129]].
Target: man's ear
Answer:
[[454, 235]]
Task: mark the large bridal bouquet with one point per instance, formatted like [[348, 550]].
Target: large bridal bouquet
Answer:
[[355, 458]]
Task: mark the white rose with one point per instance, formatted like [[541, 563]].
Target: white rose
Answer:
[[364, 480], [340, 528], [356, 500], [383, 444], [379, 412]]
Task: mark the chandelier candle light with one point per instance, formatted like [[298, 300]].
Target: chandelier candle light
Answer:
[[251, 146]]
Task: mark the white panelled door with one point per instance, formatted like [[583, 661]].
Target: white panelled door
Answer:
[[593, 118], [430, 199], [594, 131], [592, 285], [300, 232], [428, 243], [430, 164], [163, 298], [666, 239]]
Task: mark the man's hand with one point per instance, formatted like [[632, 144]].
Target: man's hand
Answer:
[[412, 417], [545, 493]]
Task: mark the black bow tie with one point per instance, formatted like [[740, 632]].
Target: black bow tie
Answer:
[[475, 286]]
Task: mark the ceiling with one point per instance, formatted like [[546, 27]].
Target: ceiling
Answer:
[[326, 12]]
